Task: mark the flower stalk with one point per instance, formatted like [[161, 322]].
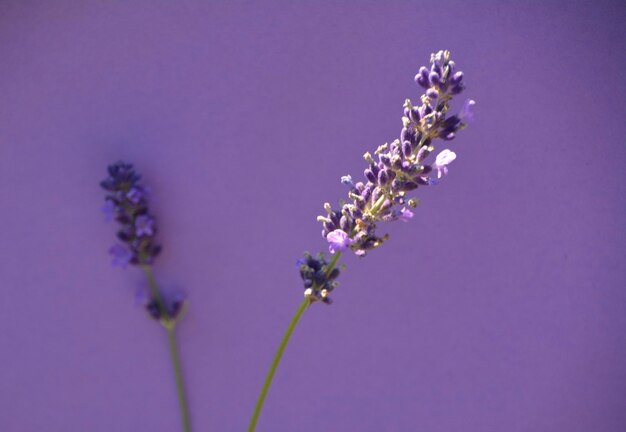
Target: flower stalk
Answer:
[[275, 361], [170, 326]]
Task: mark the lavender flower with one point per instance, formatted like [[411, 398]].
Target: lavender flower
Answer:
[[175, 305], [444, 159], [175, 308], [109, 209], [398, 168], [405, 214], [135, 194], [338, 240], [121, 255], [144, 226], [126, 202], [347, 180], [466, 112]]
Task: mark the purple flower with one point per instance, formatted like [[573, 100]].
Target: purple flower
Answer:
[[109, 209], [134, 195], [173, 302], [144, 226], [347, 180], [121, 255], [466, 115], [443, 159], [405, 214], [127, 202], [396, 168], [338, 240]]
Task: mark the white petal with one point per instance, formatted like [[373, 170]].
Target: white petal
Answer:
[[445, 157]]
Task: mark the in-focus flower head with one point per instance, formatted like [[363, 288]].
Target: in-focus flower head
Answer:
[[398, 168], [126, 202]]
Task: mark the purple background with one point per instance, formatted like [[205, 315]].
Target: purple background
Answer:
[[501, 306]]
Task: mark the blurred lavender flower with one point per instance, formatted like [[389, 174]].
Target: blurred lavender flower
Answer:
[[144, 226], [405, 214], [175, 304], [466, 112], [400, 167], [121, 255], [109, 209], [126, 202], [135, 194]]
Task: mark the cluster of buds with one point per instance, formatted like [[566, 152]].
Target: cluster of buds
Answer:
[[319, 277], [400, 167], [126, 202], [174, 304], [441, 83]]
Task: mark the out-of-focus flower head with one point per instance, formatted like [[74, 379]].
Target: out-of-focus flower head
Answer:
[[126, 203], [176, 304]]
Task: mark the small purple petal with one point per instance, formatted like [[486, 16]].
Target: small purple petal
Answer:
[[144, 226], [109, 209], [405, 214], [466, 115], [134, 195], [338, 240], [121, 255], [347, 180]]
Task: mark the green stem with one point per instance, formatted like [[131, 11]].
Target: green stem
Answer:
[[170, 326], [180, 386], [333, 262], [275, 362]]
